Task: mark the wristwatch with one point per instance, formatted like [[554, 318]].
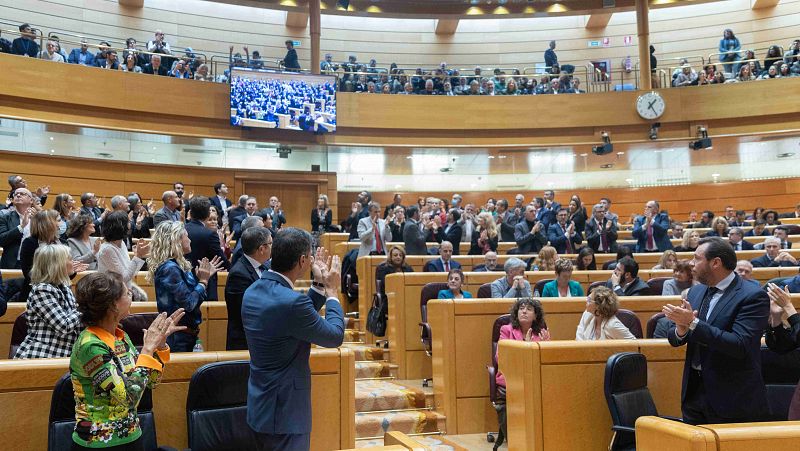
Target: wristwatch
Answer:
[[693, 324], [319, 285]]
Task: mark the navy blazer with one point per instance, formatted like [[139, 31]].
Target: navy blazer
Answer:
[[729, 343], [765, 262], [205, 243], [527, 243], [10, 240], [280, 325], [75, 57], [746, 245], [559, 240], [220, 208], [660, 227], [240, 277], [438, 266]]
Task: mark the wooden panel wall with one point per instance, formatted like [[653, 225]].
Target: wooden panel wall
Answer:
[[520, 42], [108, 178], [782, 195]]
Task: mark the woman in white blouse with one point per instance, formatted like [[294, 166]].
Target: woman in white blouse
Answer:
[[113, 255], [82, 245], [599, 321]]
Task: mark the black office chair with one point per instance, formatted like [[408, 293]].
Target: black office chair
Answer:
[[593, 285], [656, 285], [539, 287], [652, 323], [134, 325], [62, 418], [18, 334], [216, 408], [628, 397], [631, 321], [485, 291]]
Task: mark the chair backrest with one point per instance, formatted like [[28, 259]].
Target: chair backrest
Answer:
[[627, 395], [216, 407], [62, 417], [485, 291], [429, 291], [539, 287], [133, 325], [501, 321], [594, 285], [18, 334], [651, 324], [631, 321], [781, 372], [609, 265], [794, 229], [656, 285]]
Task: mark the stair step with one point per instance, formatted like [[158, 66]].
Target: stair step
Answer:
[[375, 424], [372, 369], [434, 442], [353, 335], [366, 352], [375, 395]]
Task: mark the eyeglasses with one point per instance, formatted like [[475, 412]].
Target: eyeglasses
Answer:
[[21, 194]]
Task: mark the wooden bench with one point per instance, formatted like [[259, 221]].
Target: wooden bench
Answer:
[[656, 434]]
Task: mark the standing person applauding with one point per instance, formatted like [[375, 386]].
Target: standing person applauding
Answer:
[[109, 375]]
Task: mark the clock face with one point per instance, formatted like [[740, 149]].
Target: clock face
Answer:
[[650, 105]]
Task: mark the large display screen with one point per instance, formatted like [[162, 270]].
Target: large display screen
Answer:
[[289, 101]]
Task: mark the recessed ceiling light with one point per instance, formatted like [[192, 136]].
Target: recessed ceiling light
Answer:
[[620, 153], [786, 155], [658, 151], [607, 166], [629, 180], [715, 175], [491, 157], [154, 147], [52, 150], [52, 139], [584, 154], [502, 156]]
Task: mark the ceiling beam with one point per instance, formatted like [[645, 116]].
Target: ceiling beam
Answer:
[[446, 26], [758, 4], [296, 19], [132, 3], [598, 20]]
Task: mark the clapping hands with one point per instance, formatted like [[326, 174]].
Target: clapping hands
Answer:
[[155, 337]]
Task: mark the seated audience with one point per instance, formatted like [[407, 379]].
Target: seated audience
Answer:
[[109, 374], [155, 67], [601, 231], [455, 282], [445, 262], [562, 236], [25, 45], [563, 286], [53, 320], [782, 233], [11, 226], [257, 250], [513, 284], [719, 227], [691, 239], [668, 260], [82, 245], [677, 231], [773, 257], [113, 255], [175, 284], [759, 229], [736, 238], [43, 230], [682, 279], [50, 53], [585, 260], [486, 236], [771, 217], [745, 270], [545, 261], [109, 62], [739, 220], [625, 280], [129, 64], [599, 321], [395, 262], [793, 214], [489, 263]]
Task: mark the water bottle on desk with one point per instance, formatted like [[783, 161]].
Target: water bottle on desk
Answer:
[[198, 346]]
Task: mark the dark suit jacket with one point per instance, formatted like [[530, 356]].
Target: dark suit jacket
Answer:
[[527, 243], [765, 262], [729, 343], [280, 325], [235, 218], [205, 243], [660, 226], [148, 69], [438, 266], [559, 240], [278, 219], [10, 240], [220, 208], [414, 239], [636, 288], [593, 231], [475, 249], [453, 235], [75, 57], [94, 212], [788, 215], [240, 277], [746, 245]]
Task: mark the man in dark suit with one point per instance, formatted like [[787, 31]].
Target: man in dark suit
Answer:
[[792, 214], [274, 210], [360, 211], [445, 262], [489, 263], [257, 248], [504, 219], [721, 323], [237, 214], [773, 257], [155, 67], [530, 233], [89, 207], [452, 231], [280, 325], [221, 202], [563, 236], [81, 55], [396, 202], [601, 231], [736, 238], [290, 61], [205, 242], [11, 226], [650, 229], [549, 208], [782, 233], [413, 236], [625, 280]]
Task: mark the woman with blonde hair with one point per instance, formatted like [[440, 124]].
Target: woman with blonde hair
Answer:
[[176, 286], [599, 321], [545, 261], [43, 230], [691, 239], [719, 227], [485, 236], [53, 319], [668, 260]]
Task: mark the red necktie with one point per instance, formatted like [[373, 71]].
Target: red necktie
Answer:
[[378, 245], [447, 266], [651, 244], [603, 239], [569, 243]]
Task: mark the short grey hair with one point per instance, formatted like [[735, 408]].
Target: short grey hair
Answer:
[[252, 221], [117, 200], [512, 264], [598, 207], [772, 239], [745, 263], [243, 200]]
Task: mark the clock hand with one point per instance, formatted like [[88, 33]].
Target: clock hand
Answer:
[[651, 104]]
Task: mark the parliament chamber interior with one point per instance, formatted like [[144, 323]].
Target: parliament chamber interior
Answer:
[[603, 256]]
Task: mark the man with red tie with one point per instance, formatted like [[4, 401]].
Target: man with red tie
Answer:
[[373, 232], [563, 236], [601, 231], [445, 262], [650, 229]]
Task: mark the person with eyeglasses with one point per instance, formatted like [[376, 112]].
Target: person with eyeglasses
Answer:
[[13, 226]]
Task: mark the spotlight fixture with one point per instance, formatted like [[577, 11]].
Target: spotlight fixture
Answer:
[[702, 142], [654, 131], [605, 148]]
